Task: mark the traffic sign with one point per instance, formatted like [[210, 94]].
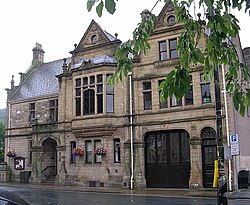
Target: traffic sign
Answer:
[[234, 142]]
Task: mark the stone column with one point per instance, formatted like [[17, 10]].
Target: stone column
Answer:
[[62, 171], [195, 181], [139, 165], [127, 165], [36, 175]]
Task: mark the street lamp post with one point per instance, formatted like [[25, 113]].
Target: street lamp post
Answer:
[[222, 186]]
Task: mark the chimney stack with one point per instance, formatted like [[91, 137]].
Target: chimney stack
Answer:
[[38, 54]]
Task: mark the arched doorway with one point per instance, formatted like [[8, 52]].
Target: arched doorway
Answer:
[[167, 159], [209, 154], [49, 159]]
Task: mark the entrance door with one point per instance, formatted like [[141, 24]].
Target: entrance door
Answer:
[[167, 160], [209, 154], [49, 163]]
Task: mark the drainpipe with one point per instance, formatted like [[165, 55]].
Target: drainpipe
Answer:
[[131, 131], [9, 126], [227, 127]]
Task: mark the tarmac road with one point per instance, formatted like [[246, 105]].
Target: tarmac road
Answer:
[[53, 195], [59, 197]]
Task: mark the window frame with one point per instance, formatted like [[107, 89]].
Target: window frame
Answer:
[[97, 143], [53, 110], [32, 112], [147, 95], [163, 53], [110, 93], [205, 87], [78, 97], [117, 150], [178, 103], [89, 152], [163, 104], [93, 95], [173, 49], [30, 151], [190, 92], [72, 157]]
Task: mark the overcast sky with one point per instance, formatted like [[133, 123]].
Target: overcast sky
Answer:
[[58, 25]]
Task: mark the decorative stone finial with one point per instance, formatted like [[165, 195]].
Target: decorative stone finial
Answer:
[[12, 82], [65, 66]]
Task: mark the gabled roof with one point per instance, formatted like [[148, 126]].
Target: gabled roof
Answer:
[[95, 28], [41, 82], [168, 8]]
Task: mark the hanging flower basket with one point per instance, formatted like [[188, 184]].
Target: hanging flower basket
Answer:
[[100, 151], [11, 154], [78, 151]]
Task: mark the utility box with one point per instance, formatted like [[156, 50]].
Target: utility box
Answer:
[[24, 177], [243, 179]]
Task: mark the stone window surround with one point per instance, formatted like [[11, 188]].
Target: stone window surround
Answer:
[[79, 95], [167, 50], [168, 101]]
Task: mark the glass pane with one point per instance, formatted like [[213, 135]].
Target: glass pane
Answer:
[[98, 158], [185, 147], [205, 93], [174, 102], [85, 81], [171, 20], [147, 101], [99, 88], [32, 106], [99, 79], [78, 82], [189, 99], [109, 89], [163, 56], [172, 44], [92, 79], [151, 153], [117, 150], [204, 78], [99, 103], [163, 46], [52, 103], [174, 147], [110, 103], [86, 101], [78, 106], [173, 54], [78, 91], [92, 101], [161, 148], [147, 86]]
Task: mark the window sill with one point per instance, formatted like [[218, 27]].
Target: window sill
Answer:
[[168, 62]]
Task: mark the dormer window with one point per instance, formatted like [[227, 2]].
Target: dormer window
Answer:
[[171, 20], [93, 38]]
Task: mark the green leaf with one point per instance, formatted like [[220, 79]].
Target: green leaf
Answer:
[[198, 55], [110, 6], [90, 4], [99, 9]]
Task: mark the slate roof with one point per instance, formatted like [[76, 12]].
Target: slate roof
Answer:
[[41, 82], [101, 59]]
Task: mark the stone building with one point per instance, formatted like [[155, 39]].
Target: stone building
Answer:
[[66, 105]]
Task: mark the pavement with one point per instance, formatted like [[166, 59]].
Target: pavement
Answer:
[[238, 194]]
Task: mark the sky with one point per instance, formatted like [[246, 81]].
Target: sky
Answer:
[[58, 25]]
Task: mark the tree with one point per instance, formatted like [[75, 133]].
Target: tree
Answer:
[[219, 49], [2, 141]]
